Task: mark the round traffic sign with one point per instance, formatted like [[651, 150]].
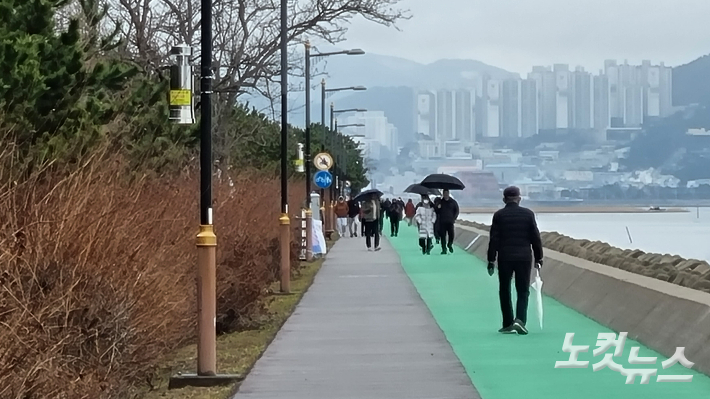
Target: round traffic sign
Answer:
[[323, 161], [323, 179]]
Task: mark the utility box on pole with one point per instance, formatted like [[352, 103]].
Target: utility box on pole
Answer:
[[182, 109]]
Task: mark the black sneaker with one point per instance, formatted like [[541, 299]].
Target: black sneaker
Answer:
[[451, 248], [443, 252], [519, 327], [377, 249], [508, 330]]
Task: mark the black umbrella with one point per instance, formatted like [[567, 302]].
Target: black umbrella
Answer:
[[363, 195], [442, 181], [421, 190]]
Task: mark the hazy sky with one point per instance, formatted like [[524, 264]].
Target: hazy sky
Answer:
[[517, 34]]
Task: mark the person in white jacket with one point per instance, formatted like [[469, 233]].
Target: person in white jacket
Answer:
[[425, 218]]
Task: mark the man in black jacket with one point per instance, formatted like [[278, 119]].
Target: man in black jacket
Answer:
[[513, 233], [447, 213]]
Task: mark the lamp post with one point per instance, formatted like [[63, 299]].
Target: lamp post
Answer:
[[284, 221], [327, 212], [341, 158], [307, 154], [181, 108], [333, 113]]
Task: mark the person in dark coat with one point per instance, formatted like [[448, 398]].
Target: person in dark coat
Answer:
[[448, 212], [384, 208], [394, 213], [514, 242], [437, 223]]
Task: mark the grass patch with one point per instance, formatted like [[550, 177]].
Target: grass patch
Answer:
[[236, 352]]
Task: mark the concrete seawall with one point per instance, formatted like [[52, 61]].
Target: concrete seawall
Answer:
[[655, 312]]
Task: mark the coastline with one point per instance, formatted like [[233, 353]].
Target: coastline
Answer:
[[577, 209]]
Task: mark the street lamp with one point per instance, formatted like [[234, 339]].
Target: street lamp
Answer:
[[323, 95], [206, 240], [307, 153], [340, 155], [326, 213], [284, 221]]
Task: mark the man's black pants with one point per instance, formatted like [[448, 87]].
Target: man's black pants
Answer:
[[446, 229], [394, 225], [522, 271], [372, 229]]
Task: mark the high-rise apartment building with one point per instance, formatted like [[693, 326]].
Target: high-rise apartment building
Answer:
[[551, 98], [426, 113], [510, 115], [463, 110], [562, 96], [528, 108], [444, 115], [601, 102], [582, 99], [488, 109]]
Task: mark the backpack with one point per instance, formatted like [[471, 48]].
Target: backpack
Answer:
[[368, 211]]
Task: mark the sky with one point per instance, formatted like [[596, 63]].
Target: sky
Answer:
[[518, 34]]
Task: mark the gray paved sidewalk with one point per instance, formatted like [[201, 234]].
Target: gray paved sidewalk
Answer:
[[361, 331]]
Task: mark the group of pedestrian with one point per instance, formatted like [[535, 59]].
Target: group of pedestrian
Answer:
[[515, 242], [435, 220]]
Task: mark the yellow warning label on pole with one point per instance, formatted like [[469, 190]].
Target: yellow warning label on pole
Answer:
[[180, 97]]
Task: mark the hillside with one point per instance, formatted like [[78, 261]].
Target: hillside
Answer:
[[691, 84]]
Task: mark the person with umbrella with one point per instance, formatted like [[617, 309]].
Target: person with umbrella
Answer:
[[371, 216], [514, 242], [425, 218], [447, 212], [447, 209]]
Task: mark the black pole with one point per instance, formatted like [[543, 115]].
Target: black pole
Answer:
[[333, 133], [206, 117], [284, 106], [307, 155], [332, 112], [322, 110]]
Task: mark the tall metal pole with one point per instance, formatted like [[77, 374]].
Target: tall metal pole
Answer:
[[206, 239], [307, 158], [284, 220], [322, 110], [307, 155], [334, 150], [323, 207]]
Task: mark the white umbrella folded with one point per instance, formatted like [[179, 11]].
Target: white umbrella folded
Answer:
[[537, 285]]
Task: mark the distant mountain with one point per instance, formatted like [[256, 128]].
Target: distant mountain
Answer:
[[691, 82], [391, 83], [386, 71]]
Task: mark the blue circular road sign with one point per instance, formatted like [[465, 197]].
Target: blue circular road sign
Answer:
[[323, 179]]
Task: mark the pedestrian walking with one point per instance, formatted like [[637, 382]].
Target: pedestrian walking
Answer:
[[394, 213], [384, 206], [425, 218], [353, 216], [437, 229], [341, 211], [409, 211], [514, 242], [448, 212], [371, 216]]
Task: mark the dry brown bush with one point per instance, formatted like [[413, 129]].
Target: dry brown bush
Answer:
[[97, 273]]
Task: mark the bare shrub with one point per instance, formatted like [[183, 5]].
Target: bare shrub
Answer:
[[97, 273]]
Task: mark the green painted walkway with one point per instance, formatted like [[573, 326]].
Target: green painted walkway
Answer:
[[464, 302]]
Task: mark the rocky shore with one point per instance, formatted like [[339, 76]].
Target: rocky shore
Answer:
[[674, 269]]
